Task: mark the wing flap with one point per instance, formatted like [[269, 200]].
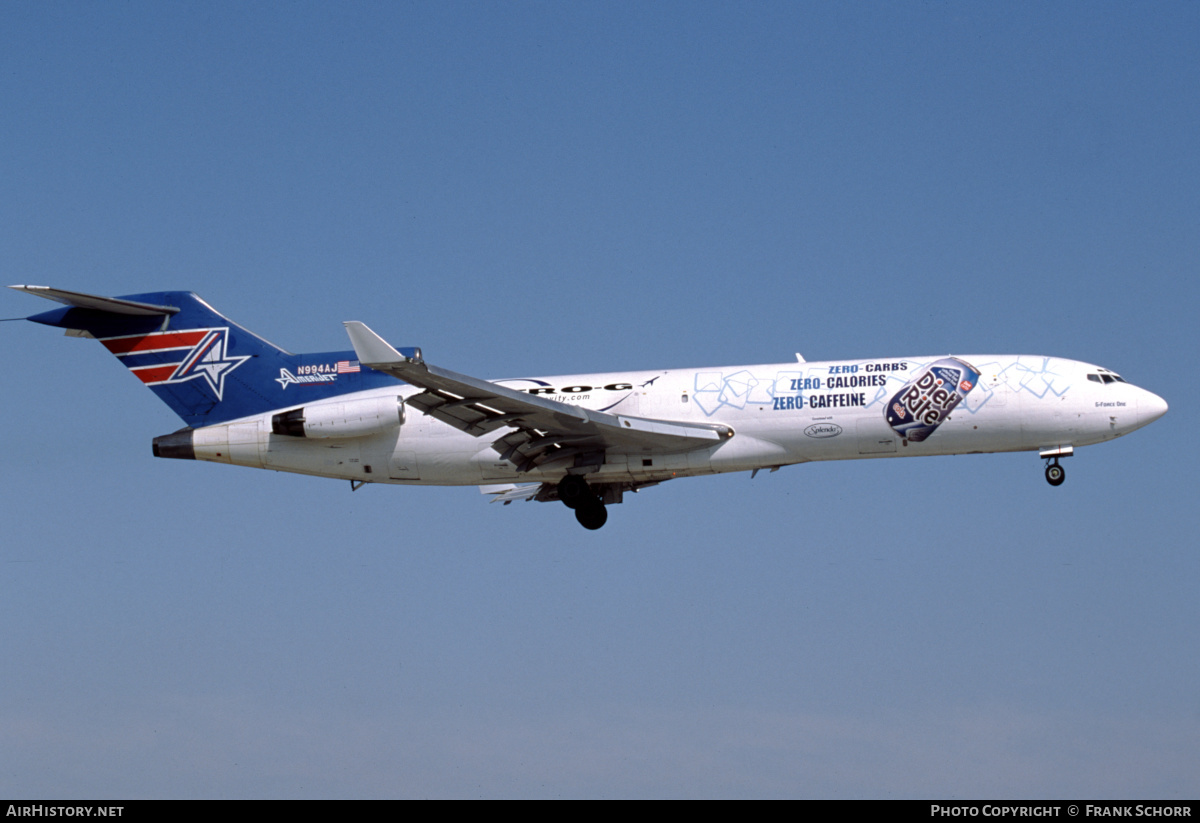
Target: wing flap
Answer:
[[508, 492], [611, 493]]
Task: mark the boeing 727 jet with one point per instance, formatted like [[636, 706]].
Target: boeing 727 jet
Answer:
[[382, 414]]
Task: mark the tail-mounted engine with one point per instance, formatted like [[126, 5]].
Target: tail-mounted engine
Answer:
[[345, 418]]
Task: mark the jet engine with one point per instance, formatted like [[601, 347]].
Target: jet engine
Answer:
[[341, 418]]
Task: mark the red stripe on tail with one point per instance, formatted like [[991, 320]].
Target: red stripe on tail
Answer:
[[154, 342]]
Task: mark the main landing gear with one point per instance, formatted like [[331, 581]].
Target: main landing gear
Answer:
[[1055, 474], [576, 494]]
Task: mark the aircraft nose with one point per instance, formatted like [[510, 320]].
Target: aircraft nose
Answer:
[[1150, 408]]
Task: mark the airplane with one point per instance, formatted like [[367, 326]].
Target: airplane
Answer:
[[381, 414]]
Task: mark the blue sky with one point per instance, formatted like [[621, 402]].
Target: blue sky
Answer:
[[531, 188]]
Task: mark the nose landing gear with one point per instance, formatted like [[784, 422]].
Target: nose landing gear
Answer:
[[576, 494], [1055, 474]]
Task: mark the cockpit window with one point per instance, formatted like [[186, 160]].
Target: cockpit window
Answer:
[[1105, 376], [1095, 378]]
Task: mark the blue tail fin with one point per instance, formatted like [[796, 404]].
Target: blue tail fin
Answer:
[[205, 367]]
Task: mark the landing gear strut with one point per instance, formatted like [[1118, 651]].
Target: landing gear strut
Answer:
[[576, 494], [1055, 474]]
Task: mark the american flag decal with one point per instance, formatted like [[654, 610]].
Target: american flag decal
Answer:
[[347, 366]]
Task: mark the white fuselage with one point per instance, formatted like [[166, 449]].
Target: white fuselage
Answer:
[[780, 414]]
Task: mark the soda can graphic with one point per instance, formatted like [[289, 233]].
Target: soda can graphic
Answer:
[[927, 399]]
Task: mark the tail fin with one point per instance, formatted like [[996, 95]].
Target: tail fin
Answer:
[[205, 367]]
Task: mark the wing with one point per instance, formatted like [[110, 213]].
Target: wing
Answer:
[[544, 433]]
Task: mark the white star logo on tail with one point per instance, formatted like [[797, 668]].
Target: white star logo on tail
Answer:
[[209, 361]]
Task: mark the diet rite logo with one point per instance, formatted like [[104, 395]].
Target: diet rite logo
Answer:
[[926, 400]]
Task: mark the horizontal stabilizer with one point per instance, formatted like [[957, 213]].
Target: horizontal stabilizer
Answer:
[[112, 305]]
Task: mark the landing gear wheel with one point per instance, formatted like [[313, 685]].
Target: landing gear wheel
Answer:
[[574, 492], [592, 516], [1055, 474]]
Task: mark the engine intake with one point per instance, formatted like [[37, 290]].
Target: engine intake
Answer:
[[345, 418]]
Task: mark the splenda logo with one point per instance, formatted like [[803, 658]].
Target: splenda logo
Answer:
[[823, 430]]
